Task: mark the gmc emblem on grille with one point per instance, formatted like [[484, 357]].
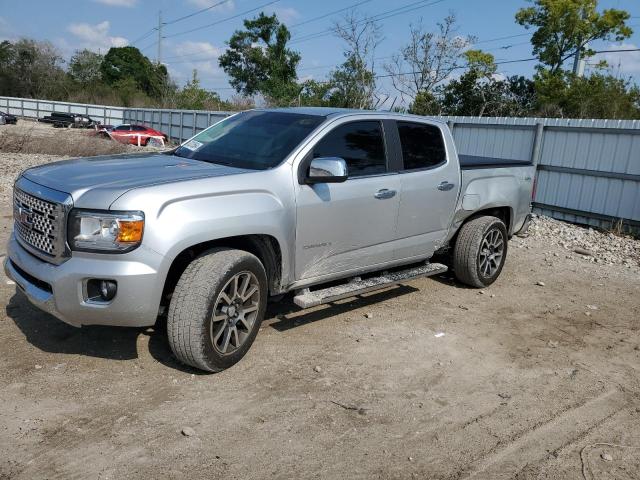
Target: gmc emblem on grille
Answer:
[[23, 216]]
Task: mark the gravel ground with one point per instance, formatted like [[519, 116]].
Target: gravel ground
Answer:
[[13, 164], [585, 242], [536, 377]]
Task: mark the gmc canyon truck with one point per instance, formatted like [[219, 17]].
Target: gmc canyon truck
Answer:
[[324, 203]]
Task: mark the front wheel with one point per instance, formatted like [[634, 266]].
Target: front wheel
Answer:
[[480, 251], [217, 308]]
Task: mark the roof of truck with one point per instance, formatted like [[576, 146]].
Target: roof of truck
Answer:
[[335, 112]]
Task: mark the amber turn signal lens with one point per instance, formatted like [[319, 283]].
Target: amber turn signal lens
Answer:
[[130, 231]]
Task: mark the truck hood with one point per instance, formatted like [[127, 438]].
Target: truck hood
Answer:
[[95, 182]]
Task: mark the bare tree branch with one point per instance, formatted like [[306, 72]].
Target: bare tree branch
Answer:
[[362, 36], [428, 59]]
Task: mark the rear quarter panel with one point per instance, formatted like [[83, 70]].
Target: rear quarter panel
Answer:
[[493, 187]]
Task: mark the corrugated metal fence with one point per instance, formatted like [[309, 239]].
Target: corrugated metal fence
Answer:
[[178, 124], [32, 108], [588, 170]]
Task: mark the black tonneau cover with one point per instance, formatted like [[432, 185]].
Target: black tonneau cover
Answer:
[[468, 162]]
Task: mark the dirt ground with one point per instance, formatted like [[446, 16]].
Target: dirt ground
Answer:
[[429, 380]]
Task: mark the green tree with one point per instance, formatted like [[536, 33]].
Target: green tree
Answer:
[[84, 67], [316, 94], [596, 96], [7, 77], [352, 85], [480, 91], [31, 69], [564, 27], [259, 61], [476, 91], [124, 63], [426, 103], [194, 97]]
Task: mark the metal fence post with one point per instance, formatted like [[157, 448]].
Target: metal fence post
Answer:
[[537, 144], [536, 153], [181, 125]]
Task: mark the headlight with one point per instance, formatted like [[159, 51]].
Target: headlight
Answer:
[[116, 232]]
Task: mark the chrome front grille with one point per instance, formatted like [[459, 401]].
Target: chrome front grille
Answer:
[[39, 224]]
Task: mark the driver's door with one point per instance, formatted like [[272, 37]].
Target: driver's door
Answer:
[[349, 226]]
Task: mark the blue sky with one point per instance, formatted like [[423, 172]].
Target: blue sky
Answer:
[[100, 24]]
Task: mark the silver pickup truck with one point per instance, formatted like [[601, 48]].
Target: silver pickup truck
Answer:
[[324, 203]]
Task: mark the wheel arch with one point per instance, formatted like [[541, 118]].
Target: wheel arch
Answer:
[[265, 247], [504, 213]]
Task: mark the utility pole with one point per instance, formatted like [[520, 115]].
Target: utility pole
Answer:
[[579, 63], [159, 37]]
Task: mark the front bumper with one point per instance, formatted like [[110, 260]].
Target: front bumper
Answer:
[[61, 289]]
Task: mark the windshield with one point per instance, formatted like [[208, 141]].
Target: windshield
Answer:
[[255, 140]]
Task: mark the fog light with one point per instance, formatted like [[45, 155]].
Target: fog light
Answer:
[[108, 290], [100, 290]]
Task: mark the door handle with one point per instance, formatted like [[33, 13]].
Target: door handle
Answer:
[[385, 193], [445, 186]]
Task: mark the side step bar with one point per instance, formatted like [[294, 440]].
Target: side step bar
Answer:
[[307, 298]]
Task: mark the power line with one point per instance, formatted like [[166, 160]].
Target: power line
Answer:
[[504, 47], [202, 10], [503, 62], [502, 38], [170, 22], [319, 17], [521, 60], [619, 50], [325, 15], [380, 16], [150, 32], [318, 67], [223, 20], [148, 46]]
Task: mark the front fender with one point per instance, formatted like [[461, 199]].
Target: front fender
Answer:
[[180, 215]]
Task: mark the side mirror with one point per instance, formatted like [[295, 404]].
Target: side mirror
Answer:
[[327, 170]]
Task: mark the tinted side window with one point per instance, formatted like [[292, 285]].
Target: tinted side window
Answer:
[[361, 144], [422, 145], [137, 128], [122, 128]]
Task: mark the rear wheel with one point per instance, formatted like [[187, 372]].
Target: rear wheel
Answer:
[[480, 251], [217, 308]]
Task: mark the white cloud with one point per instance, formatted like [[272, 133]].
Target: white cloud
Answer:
[[627, 63], [201, 56], [202, 49], [96, 37], [118, 3], [228, 6]]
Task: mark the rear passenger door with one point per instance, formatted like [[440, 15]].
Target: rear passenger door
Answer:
[[429, 182], [342, 227]]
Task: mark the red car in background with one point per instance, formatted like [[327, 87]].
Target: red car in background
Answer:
[[134, 134]]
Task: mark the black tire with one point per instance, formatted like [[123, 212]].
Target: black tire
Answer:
[[468, 253], [190, 322]]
